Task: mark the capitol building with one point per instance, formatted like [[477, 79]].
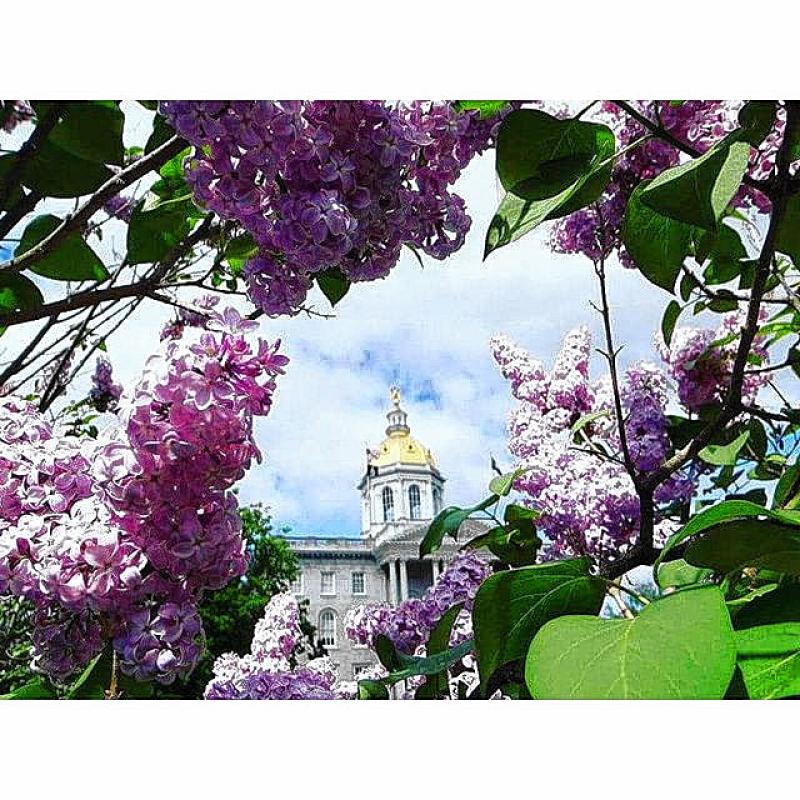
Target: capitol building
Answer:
[[401, 491]]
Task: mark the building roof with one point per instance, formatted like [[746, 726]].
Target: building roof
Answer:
[[399, 446]]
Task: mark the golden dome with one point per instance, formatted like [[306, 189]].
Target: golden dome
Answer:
[[399, 447]]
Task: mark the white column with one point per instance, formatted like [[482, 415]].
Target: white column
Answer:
[[403, 580], [435, 566], [392, 584]]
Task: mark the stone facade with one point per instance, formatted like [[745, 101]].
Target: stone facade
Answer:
[[401, 491]]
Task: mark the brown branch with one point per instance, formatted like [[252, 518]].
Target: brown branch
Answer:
[[16, 364], [110, 188]]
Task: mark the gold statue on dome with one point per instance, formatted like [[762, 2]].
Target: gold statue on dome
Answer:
[[394, 396]]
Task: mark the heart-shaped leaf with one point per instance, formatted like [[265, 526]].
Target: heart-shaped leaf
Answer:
[[511, 606], [680, 647]]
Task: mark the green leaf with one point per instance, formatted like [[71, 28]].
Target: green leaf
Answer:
[[15, 192], [517, 547], [787, 237], [757, 118], [747, 543], [94, 680], [438, 641], [447, 522], [54, 172], [162, 132], [769, 659], [670, 319], [243, 246], [721, 455], [680, 573], [18, 293], [89, 129], [764, 640], [786, 491], [37, 689], [511, 606], [539, 156], [334, 284], [485, 108], [153, 233], [502, 484], [699, 191], [657, 243], [429, 665], [725, 251], [680, 647], [387, 652], [72, 260], [720, 513], [372, 690]]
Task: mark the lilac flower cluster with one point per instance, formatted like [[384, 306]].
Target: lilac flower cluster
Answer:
[[104, 394], [267, 672], [323, 184], [409, 624], [120, 207], [596, 231], [116, 538], [588, 503], [700, 360], [17, 111]]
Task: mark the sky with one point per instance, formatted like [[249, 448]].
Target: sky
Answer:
[[425, 329]]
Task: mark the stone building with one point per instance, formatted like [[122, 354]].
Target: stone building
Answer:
[[401, 491]]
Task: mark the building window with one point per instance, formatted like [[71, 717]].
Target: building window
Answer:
[[437, 500], [414, 504], [327, 628], [359, 583], [388, 504], [298, 586], [328, 583], [359, 669]]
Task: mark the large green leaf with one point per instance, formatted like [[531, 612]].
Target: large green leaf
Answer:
[[769, 622], [680, 573], [89, 129], [438, 642], [485, 108], [72, 259], [657, 243], [334, 284], [539, 156], [680, 647], [92, 683], [37, 689], [699, 191], [721, 455], [17, 292], [787, 237], [757, 118], [724, 512], [735, 545], [511, 606], [447, 522], [153, 232], [502, 484], [55, 172]]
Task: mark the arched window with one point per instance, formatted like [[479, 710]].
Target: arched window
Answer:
[[327, 628], [414, 504], [437, 500], [388, 504]]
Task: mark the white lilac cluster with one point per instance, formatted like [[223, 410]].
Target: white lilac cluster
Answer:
[[588, 503], [116, 538], [269, 671]]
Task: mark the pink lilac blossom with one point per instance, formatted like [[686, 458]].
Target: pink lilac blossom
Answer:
[[588, 504], [15, 112], [324, 184], [700, 360], [116, 538]]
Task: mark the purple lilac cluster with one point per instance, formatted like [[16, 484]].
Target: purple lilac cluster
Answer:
[[409, 624], [104, 394], [596, 231], [198, 315], [268, 671], [323, 184], [116, 538], [700, 360], [588, 504], [120, 207], [17, 111]]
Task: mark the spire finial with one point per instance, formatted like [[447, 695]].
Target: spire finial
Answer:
[[394, 396]]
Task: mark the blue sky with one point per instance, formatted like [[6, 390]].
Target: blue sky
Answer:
[[426, 329]]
